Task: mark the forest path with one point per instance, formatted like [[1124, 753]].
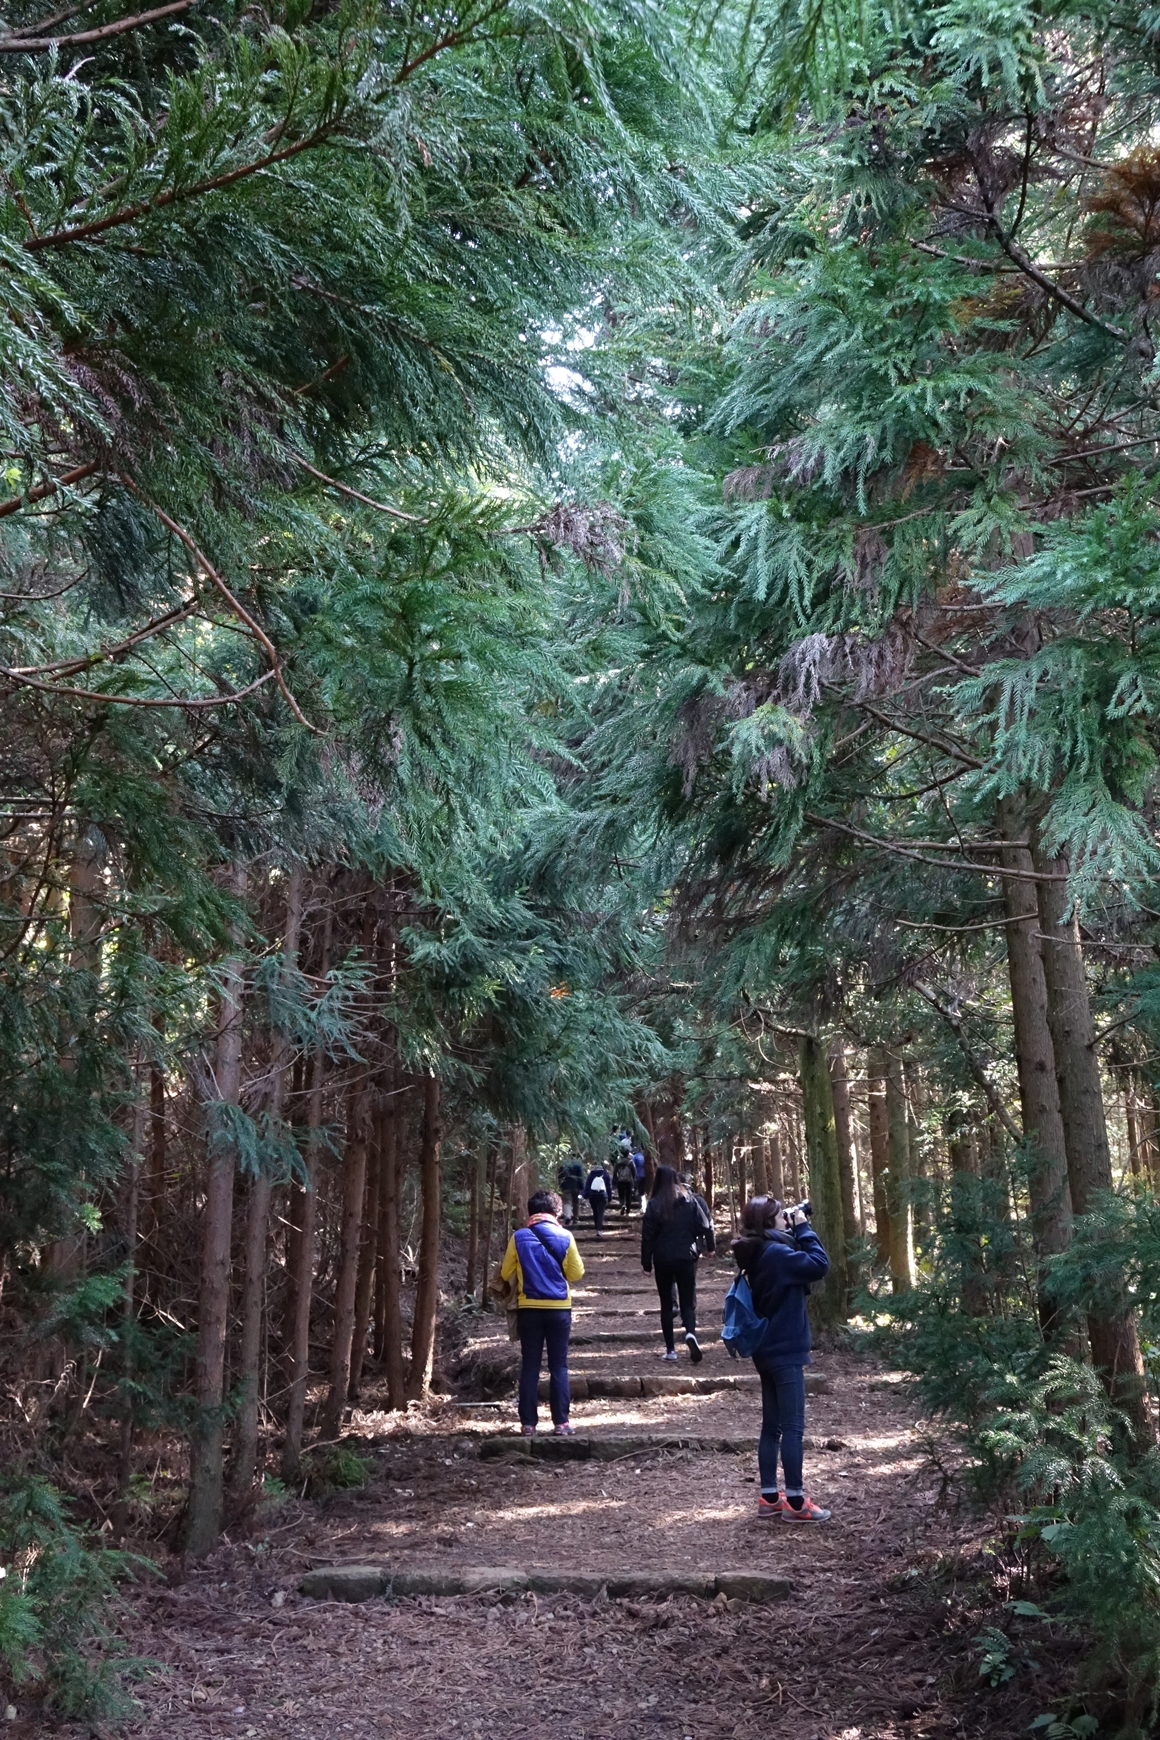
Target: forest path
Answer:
[[870, 1645]]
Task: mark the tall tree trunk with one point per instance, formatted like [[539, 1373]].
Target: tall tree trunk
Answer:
[[354, 1181], [965, 1217], [1047, 1182], [898, 1178], [847, 1158], [206, 1489], [301, 1278], [485, 1265], [1150, 1126], [519, 1180], [364, 1292], [245, 1462], [760, 1177], [1132, 1121], [389, 1314], [879, 1149], [828, 1301], [669, 1134], [158, 1158], [477, 1188], [648, 1119], [775, 1183], [796, 1180], [64, 1257], [128, 1304], [427, 1281], [921, 1181], [1111, 1324], [731, 1180], [709, 1203]]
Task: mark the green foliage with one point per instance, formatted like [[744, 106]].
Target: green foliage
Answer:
[[1039, 1431], [58, 1632], [336, 1468]]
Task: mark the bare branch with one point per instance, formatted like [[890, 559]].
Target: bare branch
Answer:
[[40, 490], [138, 700], [901, 850], [70, 667], [355, 494], [26, 44], [234, 603]]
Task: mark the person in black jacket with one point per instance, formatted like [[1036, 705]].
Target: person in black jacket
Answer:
[[598, 1192], [674, 1232], [780, 1255]]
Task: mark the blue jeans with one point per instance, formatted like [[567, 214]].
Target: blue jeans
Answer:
[[539, 1329], [783, 1424]]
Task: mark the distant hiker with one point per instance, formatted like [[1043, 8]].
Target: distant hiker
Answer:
[[779, 1255], [638, 1168], [543, 1258], [675, 1230], [624, 1173], [570, 1178], [598, 1191], [683, 1179]]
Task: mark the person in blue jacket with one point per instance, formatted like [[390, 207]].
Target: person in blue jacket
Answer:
[[781, 1255], [543, 1260]]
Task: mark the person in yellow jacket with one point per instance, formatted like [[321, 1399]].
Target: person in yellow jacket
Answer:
[[544, 1259]]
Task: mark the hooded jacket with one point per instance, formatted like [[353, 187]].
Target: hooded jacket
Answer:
[[780, 1267]]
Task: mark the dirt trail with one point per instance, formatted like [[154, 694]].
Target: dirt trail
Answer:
[[867, 1647]]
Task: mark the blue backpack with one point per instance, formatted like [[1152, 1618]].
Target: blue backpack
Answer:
[[742, 1330]]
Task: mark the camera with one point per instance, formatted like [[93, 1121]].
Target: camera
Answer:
[[794, 1209]]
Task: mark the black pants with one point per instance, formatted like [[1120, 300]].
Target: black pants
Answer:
[[540, 1330], [598, 1203], [624, 1191], [571, 1194], [682, 1276]]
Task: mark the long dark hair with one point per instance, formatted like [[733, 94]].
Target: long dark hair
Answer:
[[666, 1192]]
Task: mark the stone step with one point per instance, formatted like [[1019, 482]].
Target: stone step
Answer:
[[368, 1582], [545, 1447], [590, 1387], [633, 1337]]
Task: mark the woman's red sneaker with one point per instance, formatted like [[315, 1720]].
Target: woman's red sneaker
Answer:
[[770, 1506]]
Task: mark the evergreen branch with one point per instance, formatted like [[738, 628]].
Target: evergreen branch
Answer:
[[40, 490], [138, 700], [24, 45], [129, 214], [355, 494], [990, 1092], [450, 39], [234, 603]]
